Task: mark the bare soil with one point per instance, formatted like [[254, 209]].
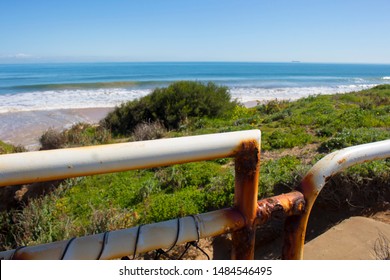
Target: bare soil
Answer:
[[306, 153]]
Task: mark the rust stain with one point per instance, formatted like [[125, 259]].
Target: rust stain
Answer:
[[295, 226], [308, 187], [294, 229], [49, 251], [243, 244], [341, 161], [236, 220], [278, 206], [247, 156], [247, 165]]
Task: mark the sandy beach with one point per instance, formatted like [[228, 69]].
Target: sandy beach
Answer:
[[25, 128]]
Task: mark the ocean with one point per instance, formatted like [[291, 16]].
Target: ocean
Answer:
[[30, 87]]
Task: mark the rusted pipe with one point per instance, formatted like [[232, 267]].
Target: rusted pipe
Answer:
[[284, 205], [314, 181], [247, 165], [49, 165], [117, 244]]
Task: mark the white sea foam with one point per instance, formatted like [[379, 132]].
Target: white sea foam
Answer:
[[97, 98], [67, 99], [386, 78], [291, 93]]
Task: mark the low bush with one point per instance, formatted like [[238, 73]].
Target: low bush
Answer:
[[52, 139], [8, 148], [283, 174], [350, 137], [43, 220], [166, 206], [282, 138], [172, 106], [80, 134], [149, 131], [272, 107]]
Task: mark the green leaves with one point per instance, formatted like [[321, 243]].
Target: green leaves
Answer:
[[172, 106]]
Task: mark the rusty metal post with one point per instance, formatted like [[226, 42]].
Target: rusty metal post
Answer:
[[315, 180], [247, 165]]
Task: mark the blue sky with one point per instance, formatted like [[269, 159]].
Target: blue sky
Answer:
[[195, 30]]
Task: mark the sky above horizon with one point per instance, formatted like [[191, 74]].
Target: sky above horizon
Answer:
[[347, 31]]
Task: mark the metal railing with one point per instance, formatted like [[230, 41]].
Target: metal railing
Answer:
[[241, 220]]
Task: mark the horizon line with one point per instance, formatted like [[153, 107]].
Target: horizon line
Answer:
[[185, 61]]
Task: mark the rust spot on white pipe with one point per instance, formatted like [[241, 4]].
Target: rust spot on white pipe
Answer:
[[289, 204]]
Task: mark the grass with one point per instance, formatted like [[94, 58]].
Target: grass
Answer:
[[106, 202], [8, 148]]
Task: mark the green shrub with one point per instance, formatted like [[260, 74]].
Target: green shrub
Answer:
[[165, 206], [46, 219], [172, 106], [83, 134], [350, 137], [220, 192], [195, 174], [283, 173], [382, 87], [52, 139], [8, 148], [80, 134], [357, 118], [286, 139], [34, 224], [272, 106]]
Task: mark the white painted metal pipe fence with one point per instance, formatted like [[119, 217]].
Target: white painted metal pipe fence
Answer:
[[241, 219]]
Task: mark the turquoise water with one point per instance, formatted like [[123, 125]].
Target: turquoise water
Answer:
[[25, 87]]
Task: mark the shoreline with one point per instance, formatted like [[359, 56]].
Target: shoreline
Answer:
[[25, 128]]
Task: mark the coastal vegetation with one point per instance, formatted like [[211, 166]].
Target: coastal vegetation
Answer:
[[295, 135], [9, 149], [172, 106]]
